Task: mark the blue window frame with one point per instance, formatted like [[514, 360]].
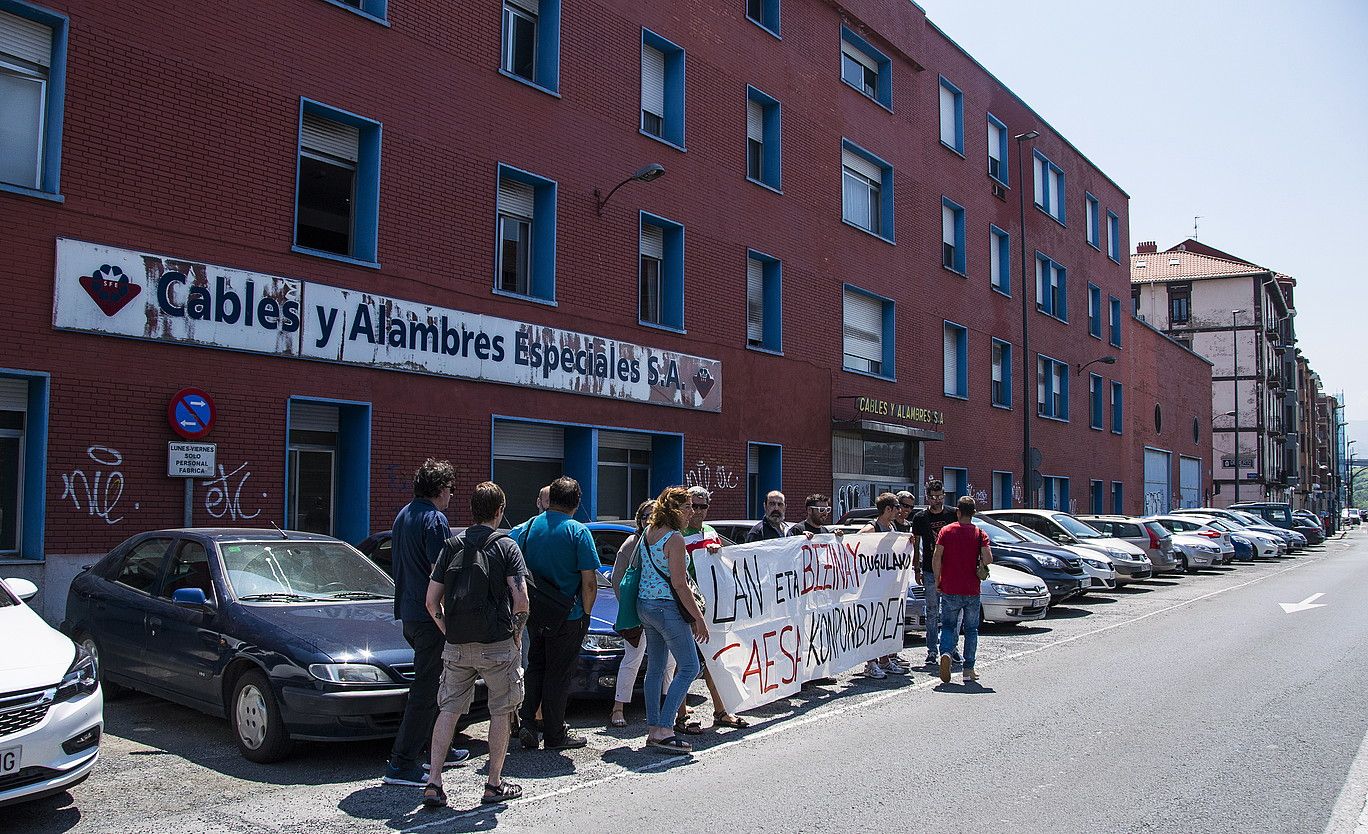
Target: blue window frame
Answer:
[[764, 139], [997, 150], [955, 479], [764, 474], [661, 273], [373, 9], [952, 236], [531, 43], [1117, 496], [1000, 260], [866, 191], [1049, 187], [866, 68], [1095, 401], [764, 302], [33, 89], [347, 448], [1098, 493], [1118, 405], [765, 14], [1094, 311], [525, 235], [951, 116], [1113, 237], [1055, 493], [1114, 308], [1052, 388], [23, 463], [1093, 221], [956, 361], [662, 89], [867, 332], [1002, 490], [1002, 373], [337, 185], [1051, 287]]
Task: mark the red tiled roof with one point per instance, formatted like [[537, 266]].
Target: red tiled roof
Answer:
[[1183, 266]]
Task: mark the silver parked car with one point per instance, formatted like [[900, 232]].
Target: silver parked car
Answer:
[[1130, 562], [1146, 534], [1204, 526], [1098, 567]]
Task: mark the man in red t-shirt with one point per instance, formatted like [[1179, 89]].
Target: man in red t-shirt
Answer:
[[960, 548]]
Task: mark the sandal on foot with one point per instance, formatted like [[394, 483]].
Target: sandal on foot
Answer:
[[617, 719], [505, 792], [672, 744], [688, 728], [722, 719], [434, 796]]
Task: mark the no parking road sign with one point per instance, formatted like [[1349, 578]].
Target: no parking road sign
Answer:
[[191, 413]]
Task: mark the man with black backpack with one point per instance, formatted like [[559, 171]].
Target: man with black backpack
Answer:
[[478, 598]]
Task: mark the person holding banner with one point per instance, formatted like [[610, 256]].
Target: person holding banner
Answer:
[[633, 655], [889, 509], [961, 552], [772, 526], [670, 616], [699, 535], [818, 514]]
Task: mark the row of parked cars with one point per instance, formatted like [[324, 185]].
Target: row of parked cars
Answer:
[[290, 636]]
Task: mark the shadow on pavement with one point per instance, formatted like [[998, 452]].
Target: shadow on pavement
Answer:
[[1160, 583], [1063, 612], [1132, 590], [971, 688], [401, 808], [1093, 599], [55, 813], [1013, 629]]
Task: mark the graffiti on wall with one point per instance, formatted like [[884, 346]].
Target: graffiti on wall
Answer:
[[711, 477], [223, 498], [97, 494]]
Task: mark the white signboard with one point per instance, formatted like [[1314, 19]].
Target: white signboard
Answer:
[[190, 460], [119, 292], [787, 611]]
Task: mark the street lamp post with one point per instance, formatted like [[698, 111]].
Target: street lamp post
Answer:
[[1235, 381], [1027, 491]]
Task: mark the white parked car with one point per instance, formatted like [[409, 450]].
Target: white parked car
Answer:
[[1097, 566], [51, 707], [1207, 527], [1009, 595]]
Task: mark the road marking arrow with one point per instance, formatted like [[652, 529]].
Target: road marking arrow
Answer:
[[1305, 605]]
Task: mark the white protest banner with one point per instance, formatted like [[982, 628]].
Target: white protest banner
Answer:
[[786, 611]]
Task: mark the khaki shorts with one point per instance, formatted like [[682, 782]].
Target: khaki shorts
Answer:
[[500, 664]]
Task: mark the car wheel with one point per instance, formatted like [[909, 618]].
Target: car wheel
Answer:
[[256, 721], [111, 690], [1187, 568]]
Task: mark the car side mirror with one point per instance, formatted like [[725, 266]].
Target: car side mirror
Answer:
[[189, 597], [22, 588], [1062, 538]]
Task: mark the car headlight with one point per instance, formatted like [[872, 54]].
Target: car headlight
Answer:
[[1009, 590], [1047, 561], [603, 643], [1096, 564], [348, 673], [80, 678]]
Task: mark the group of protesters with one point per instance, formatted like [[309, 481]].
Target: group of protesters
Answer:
[[512, 608]]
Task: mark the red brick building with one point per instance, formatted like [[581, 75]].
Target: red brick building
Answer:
[[366, 256]]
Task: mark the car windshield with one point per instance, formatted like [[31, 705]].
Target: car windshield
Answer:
[[1220, 524], [302, 571], [1248, 519], [1028, 534], [1076, 527], [997, 533]]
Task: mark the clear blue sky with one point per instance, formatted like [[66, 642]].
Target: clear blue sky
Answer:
[[1252, 114]]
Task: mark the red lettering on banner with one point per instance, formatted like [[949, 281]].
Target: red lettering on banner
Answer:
[[726, 649], [765, 685], [791, 655], [753, 666]]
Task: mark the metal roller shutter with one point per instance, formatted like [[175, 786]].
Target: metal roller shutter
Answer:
[[1190, 481], [25, 39], [517, 198], [13, 395], [528, 441], [653, 242], [861, 166], [653, 80], [328, 137], [313, 417], [863, 331], [1158, 487], [755, 301], [638, 441]]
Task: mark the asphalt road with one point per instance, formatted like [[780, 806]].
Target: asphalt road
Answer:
[[1182, 704]]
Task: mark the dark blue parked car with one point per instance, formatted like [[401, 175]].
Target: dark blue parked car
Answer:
[[288, 635]]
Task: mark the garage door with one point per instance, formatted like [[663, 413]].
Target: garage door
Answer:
[[1190, 481], [1158, 487]]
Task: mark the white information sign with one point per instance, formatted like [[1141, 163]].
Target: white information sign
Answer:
[[190, 460], [786, 611]]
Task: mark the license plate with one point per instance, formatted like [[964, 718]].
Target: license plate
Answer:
[[9, 759]]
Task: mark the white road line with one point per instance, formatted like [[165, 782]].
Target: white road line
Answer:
[[1351, 809], [823, 714]]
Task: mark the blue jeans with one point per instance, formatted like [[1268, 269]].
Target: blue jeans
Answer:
[[933, 596], [666, 631], [951, 607]]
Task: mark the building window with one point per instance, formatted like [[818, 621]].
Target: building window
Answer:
[[952, 236], [764, 310], [1051, 283], [1117, 407], [951, 116], [527, 235], [956, 361], [1000, 260], [1094, 225], [662, 89], [997, 150], [1117, 494], [374, 9], [1113, 237], [661, 276], [867, 333], [337, 196], [32, 89], [1002, 490], [531, 42], [1095, 401], [866, 191], [866, 68], [764, 474], [1094, 311], [1049, 187], [1180, 303], [23, 457], [956, 481], [327, 480], [1114, 309], [1052, 388], [1002, 373], [1097, 492], [762, 139], [1135, 302], [1055, 493], [765, 14]]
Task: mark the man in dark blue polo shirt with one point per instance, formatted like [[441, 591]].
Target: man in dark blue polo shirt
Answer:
[[418, 534]]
